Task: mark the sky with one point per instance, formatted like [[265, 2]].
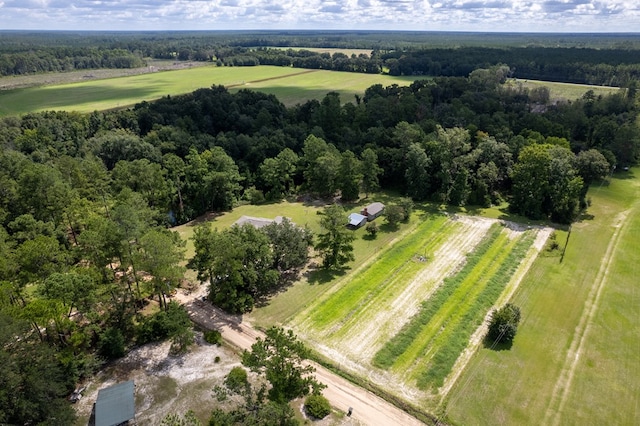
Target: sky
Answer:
[[415, 15]]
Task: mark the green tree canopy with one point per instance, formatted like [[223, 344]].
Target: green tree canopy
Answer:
[[280, 358]]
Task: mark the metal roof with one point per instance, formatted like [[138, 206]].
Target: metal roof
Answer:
[[356, 219], [115, 404]]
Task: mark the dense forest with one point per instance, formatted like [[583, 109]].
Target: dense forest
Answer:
[[563, 58], [86, 200]]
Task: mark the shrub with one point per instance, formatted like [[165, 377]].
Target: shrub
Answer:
[[163, 324], [317, 406], [504, 324], [236, 380], [112, 343], [213, 336]]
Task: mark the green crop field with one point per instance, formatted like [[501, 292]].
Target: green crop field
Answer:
[[290, 85], [575, 358]]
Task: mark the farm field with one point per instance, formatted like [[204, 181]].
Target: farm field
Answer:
[[349, 317], [290, 85], [575, 358]]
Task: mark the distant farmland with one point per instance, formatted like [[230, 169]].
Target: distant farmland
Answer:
[[99, 91], [290, 85]]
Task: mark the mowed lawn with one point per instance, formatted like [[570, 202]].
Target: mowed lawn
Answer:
[[290, 85], [574, 310]]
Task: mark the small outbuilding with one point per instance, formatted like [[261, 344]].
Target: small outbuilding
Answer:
[[373, 210], [115, 405], [356, 220]]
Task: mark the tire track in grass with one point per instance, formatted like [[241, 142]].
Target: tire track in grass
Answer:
[[422, 324], [563, 384]]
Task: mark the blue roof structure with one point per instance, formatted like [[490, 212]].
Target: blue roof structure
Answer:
[[356, 220], [116, 404]]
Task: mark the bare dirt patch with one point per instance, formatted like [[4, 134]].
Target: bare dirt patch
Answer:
[[165, 383]]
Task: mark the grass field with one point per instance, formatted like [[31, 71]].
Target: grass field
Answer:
[[567, 91], [575, 358], [290, 85]]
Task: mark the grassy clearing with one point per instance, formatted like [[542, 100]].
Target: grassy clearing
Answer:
[[566, 91], [552, 299], [290, 85], [609, 361]]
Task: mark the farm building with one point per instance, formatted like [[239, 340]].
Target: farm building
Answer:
[[257, 222], [372, 211], [356, 220], [115, 405]]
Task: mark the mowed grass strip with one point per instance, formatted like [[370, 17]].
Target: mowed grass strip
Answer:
[[338, 306], [401, 342], [450, 344]]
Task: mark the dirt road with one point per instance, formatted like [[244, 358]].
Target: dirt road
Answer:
[[368, 408]]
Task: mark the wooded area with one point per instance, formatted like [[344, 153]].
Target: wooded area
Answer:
[[86, 200]]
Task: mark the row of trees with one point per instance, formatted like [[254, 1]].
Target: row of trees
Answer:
[[607, 61], [56, 59]]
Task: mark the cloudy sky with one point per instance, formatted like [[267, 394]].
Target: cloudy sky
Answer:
[[427, 15]]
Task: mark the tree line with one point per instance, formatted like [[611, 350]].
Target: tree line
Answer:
[[603, 60]]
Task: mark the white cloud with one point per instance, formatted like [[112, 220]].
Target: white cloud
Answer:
[[458, 15]]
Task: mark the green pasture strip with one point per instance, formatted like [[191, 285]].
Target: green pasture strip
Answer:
[[399, 344], [468, 284], [455, 339], [338, 306], [552, 297], [390, 285]]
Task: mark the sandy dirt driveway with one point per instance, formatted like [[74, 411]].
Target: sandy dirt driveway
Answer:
[[368, 408]]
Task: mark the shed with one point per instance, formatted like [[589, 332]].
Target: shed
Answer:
[[373, 210], [356, 220], [115, 405]]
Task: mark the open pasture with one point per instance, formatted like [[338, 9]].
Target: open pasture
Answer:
[[575, 358], [290, 85]]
